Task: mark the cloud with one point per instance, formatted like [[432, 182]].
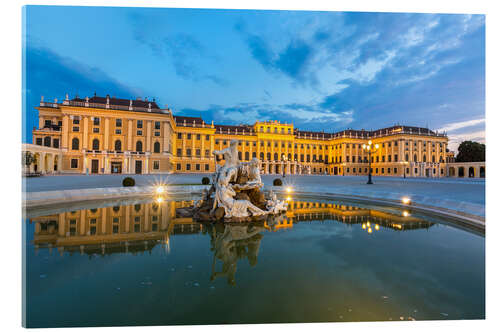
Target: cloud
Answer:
[[305, 116], [291, 61], [186, 53], [461, 124]]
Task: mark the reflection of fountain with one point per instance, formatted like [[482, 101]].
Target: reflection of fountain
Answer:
[[235, 194], [232, 242]]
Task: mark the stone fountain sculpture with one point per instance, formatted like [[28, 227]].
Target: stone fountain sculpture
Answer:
[[236, 192]]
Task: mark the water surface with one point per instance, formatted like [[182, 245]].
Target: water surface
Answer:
[[136, 263]]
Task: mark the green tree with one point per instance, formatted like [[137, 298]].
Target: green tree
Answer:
[[470, 151]]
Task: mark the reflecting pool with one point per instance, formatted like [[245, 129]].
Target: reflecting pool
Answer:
[[136, 263]]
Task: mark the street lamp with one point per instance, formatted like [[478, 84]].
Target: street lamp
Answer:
[[283, 157], [370, 148]]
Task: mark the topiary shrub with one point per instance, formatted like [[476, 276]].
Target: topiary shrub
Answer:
[[277, 182], [128, 181], [205, 181]]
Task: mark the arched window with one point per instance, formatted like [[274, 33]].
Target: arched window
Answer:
[[415, 158], [138, 146], [406, 157], [46, 141], [268, 155], [75, 144], [425, 158], [433, 159], [156, 147], [118, 145], [247, 156], [276, 158], [261, 156], [95, 144]]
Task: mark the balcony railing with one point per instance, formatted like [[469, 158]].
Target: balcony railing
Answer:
[[105, 106]]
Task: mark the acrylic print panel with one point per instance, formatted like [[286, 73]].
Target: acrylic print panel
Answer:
[[199, 166]]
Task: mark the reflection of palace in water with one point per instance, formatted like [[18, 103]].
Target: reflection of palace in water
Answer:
[[132, 228], [140, 227]]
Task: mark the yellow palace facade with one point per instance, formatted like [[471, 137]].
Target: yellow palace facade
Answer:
[[103, 135]]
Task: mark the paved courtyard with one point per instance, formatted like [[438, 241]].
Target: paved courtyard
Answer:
[[467, 195]]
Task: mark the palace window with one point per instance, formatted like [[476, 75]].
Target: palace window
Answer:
[[74, 163], [156, 165], [179, 136], [188, 152], [254, 155], [118, 131], [197, 167], [247, 156], [55, 143], [46, 141], [268, 156], [207, 137], [395, 157], [95, 144], [415, 158], [75, 144], [395, 170], [157, 125], [118, 122], [157, 133], [118, 145], [261, 156], [198, 136], [139, 123], [178, 166], [207, 152], [189, 136], [138, 146], [198, 152], [48, 123], [76, 129], [39, 141], [188, 167], [179, 152], [207, 167], [139, 132], [156, 147], [76, 121], [96, 130], [97, 121]]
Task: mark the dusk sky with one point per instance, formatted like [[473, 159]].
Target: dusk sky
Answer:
[[320, 70]]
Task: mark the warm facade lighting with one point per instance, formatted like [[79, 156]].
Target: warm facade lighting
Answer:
[[160, 189], [289, 189], [406, 214]]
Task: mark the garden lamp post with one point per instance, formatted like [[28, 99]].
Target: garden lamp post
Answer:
[[370, 148]]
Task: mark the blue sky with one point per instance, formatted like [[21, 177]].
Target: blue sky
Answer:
[[320, 70]]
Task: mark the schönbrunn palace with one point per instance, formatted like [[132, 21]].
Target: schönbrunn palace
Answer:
[[103, 135]]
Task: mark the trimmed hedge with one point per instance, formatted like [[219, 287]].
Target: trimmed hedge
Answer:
[[128, 181], [205, 181], [277, 182]]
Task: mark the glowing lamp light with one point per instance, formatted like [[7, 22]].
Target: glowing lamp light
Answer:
[[377, 227], [363, 226], [368, 223], [289, 189], [406, 214], [376, 146], [159, 199], [160, 189], [288, 198], [369, 230], [406, 200]]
